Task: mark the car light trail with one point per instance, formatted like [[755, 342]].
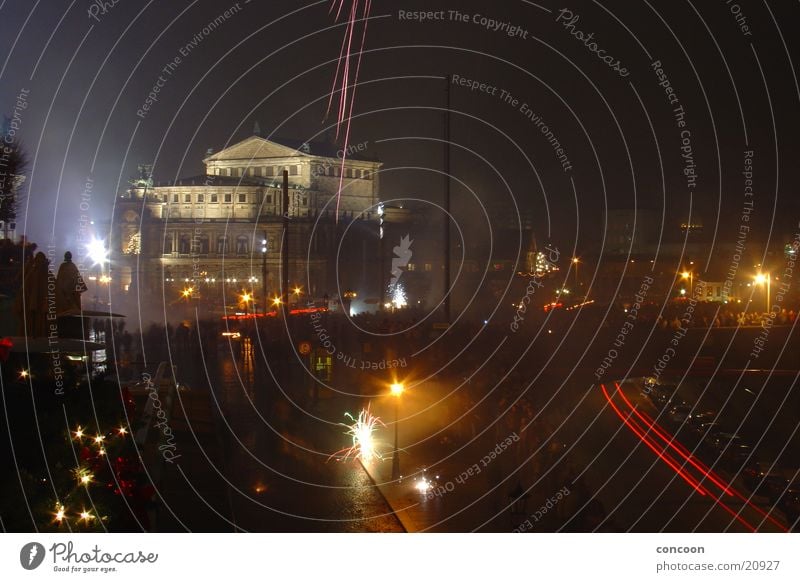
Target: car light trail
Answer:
[[664, 457], [671, 442]]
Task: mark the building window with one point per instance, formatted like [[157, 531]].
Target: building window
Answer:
[[305, 200], [184, 247], [366, 175], [242, 197], [222, 245], [294, 170], [228, 172], [202, 245], [330, 171], [411, 267], [174, 197], [217, 171], [428, 267], [214, 197], [228, 197], [269, 198], [201, 197], [168, 245], [269, 171], [241, 245], [257, 172]]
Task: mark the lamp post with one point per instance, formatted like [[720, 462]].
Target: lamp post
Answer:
[[760, 279], [397, 390], [575, 262], [689, 275], [264, 248]]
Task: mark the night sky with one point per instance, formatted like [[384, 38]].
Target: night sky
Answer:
[[274, 62]]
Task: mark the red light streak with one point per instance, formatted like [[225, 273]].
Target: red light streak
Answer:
[[664, 457], [696, 463]]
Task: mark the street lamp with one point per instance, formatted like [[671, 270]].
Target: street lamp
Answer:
[[397, 390], [576, 261], [264, 249], [689, 275], [760, 279]]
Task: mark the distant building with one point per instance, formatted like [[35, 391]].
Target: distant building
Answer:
[[207, 231], [629, 231]]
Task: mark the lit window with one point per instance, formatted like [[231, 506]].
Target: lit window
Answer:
[[411, 267], [428, 267]]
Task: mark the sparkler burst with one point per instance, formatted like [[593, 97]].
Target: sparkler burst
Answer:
[[362, 432], [347, 70]]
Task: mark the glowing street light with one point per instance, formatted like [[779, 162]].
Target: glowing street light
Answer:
[[576, 261], [690, 276], [96, 251], [760, 279], [187, 292], [396, 389]]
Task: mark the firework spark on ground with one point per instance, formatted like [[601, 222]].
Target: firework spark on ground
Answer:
[[362, 432]]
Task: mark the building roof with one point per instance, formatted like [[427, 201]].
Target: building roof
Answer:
[[257, 148], [214, 181]]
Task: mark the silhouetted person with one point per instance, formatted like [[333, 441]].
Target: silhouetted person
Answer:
[[69, 286], [31, 303]]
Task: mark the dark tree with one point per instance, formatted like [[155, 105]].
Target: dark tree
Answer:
[[13, 162]]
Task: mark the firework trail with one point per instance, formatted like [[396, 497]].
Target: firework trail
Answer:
[[347, 70], [362, 432]]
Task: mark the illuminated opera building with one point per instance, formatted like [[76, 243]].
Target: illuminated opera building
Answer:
[[221, 231]]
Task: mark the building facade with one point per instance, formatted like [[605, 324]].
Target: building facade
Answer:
[[207, 233]]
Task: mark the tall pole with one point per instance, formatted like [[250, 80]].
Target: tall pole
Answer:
[[396, 455], [446, 289], [264, 272], [769, 278], [285, 247], [382, 278]]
